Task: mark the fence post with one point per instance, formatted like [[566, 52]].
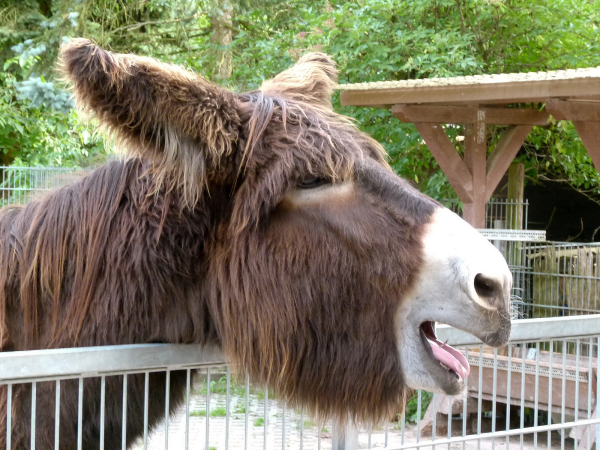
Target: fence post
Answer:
[[345, 437]]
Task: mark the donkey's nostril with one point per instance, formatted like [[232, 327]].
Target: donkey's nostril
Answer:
[[489, 288]]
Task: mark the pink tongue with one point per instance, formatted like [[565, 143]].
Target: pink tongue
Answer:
[[450, 357]]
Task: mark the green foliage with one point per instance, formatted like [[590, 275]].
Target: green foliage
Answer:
[[220, 411], [259, 422], [219, 386], [38, 125], [411, 411], [370, 39], [306, 424]]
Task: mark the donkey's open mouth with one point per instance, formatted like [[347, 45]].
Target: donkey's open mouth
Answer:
[[448, 357]]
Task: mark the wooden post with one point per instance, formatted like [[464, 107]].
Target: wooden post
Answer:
[[516, 187], [589, 132], [475, 159]]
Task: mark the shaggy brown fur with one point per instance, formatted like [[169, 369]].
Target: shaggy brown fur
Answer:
[[200, 238]]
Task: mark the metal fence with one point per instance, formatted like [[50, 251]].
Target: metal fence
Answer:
[[19, 185], [502, 213], [539, 392], [555, 279]]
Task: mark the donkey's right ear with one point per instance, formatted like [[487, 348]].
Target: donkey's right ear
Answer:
[[178, 119]]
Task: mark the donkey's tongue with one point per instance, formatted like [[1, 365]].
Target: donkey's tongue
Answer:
[[450, 357]]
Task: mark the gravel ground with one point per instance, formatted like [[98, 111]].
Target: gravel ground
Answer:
[[287, 424]]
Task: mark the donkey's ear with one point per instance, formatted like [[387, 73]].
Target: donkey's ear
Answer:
[[185, 124], [312, 79]]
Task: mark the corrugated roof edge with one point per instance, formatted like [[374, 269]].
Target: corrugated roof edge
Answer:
[[569, 74]]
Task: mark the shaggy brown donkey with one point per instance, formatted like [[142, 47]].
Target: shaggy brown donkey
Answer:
[[262, 222]]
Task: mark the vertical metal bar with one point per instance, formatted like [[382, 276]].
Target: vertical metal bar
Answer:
[[479, 394], [283, 428], [369, 432], [302, 429], [550, 382], [33, 413], [597, 391], [591, 376], [449, 433], [207, 432], [124, 418], [387, 432], [167, 406], [9, 417], [318, 434], [335, 435], [265, 418], [80, 416], [577, 354], [57, 416], [102, 409], [246, 429], [464, 418], [146, 401], [187, 409], [402, 427], [537, 384], [494, 393], [523, 357], [418, 415], [508, 386], [227, 401], [433, 406], [564, 381]]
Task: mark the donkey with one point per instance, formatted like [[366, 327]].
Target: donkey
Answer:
[[264, 223]]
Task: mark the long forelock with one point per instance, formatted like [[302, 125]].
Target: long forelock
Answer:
[[328, 143]]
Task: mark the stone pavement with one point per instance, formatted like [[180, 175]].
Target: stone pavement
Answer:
[[286, 428]]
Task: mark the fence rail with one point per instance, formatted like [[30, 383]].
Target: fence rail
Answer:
[[539, 392]]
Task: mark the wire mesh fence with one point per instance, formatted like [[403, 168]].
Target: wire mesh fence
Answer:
[[18, 185], [555, 279]]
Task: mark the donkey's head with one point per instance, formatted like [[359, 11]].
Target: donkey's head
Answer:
[[327, 271]]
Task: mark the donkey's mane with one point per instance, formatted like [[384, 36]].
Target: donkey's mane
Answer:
[[168, 244]]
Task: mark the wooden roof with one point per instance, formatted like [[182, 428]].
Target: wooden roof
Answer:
[[479, 89]]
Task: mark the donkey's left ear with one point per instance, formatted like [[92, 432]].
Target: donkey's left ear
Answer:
[[312, 79], [185, 124]]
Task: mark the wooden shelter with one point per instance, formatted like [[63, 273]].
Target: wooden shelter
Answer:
[[478, 101]]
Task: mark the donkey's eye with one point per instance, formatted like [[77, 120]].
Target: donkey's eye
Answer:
[[312, 182]]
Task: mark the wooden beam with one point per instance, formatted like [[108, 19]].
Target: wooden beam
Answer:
[[475, 154], [506, 149], [447, 157], [535, 90], [464, 115], [589, 132], [582, 111], [516, 190]]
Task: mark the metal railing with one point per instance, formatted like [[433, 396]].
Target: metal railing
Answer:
[[555, 279], [501, 213], [539, 392], [18, 185]]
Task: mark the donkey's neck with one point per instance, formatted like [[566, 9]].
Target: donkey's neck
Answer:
[[111, 253]]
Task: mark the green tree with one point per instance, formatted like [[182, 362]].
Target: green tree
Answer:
[[371, 40]]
